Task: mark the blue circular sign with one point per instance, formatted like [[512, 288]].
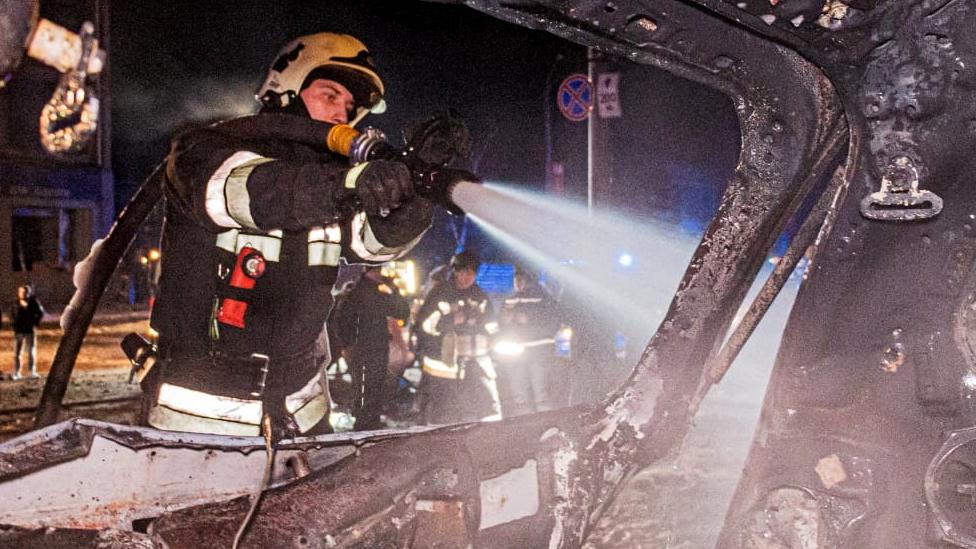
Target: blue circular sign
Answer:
[[575, 97]]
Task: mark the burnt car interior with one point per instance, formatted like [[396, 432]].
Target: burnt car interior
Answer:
[[856, 124]]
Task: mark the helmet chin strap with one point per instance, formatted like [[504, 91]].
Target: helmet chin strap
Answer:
[[378, 108], [360, 114], [287, 102]]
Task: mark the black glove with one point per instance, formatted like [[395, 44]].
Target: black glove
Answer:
[[403, 224], [382, 186]]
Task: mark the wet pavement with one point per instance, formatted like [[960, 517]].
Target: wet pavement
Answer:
[[99, 387]]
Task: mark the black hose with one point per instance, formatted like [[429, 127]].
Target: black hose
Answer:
[[113, 249]]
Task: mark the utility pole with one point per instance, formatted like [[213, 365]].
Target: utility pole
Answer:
[[547, 99], [598, 172]]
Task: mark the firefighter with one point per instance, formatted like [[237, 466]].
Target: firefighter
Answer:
[[525, 345], [258, 216], [458, 375], [361, 324]]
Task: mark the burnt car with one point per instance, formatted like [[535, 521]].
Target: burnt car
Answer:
[[856, 118]]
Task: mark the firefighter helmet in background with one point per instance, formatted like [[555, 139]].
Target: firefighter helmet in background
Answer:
[[466, 260], [338, 57]]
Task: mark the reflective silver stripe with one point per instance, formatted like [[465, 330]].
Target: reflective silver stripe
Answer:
[[365, 245], [518, 300], [227, 240], [238, 201], [311, 413], [268, 244], [324, 245], [314, 388], [225, 408], [471, 345], [216, 198], [168, 419], [323, 253], [316, 233], [333, 233], [429, 325], [440, 369], [353, 174], [203, 404]]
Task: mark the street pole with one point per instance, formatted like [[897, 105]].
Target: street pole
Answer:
[[598, 173], [547, 99]]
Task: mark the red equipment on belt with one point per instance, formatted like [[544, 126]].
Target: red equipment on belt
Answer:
[[249, 267]]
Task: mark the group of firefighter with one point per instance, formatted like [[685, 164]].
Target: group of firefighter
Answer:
[[478, 360], [260, 212]]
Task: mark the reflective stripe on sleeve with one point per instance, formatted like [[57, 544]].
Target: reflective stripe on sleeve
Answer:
[[365, 245], [238, 201], [218, 201], [353, 175]]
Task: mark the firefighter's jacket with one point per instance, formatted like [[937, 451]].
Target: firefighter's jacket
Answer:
[[361, 323], [448, 342], [528, 317], [264, 184]]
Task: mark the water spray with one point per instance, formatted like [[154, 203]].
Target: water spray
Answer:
[[622, 269]]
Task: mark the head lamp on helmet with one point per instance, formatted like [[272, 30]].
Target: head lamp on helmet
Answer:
[[337, 57]]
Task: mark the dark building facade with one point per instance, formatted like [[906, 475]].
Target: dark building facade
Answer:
[[52, 207]]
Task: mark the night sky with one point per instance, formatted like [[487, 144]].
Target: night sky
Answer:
[[178, 62]]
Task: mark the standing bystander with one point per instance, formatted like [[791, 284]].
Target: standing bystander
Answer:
[[26, 316]]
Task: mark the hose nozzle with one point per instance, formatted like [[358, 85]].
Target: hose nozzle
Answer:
[[435, 182], [439, 183], [359, 146]]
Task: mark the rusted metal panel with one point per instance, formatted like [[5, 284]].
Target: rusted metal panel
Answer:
[[441, 525], [87, 474], [510, 496], [49, 538]]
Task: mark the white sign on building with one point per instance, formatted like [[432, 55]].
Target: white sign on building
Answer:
[[608, 95]]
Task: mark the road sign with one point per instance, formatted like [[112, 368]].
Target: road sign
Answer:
[[608, 95], [575, 97]]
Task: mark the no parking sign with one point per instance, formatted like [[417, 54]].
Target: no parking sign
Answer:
[[575, 97]]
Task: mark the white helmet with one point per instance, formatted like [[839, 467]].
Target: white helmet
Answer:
[[338, 57]]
